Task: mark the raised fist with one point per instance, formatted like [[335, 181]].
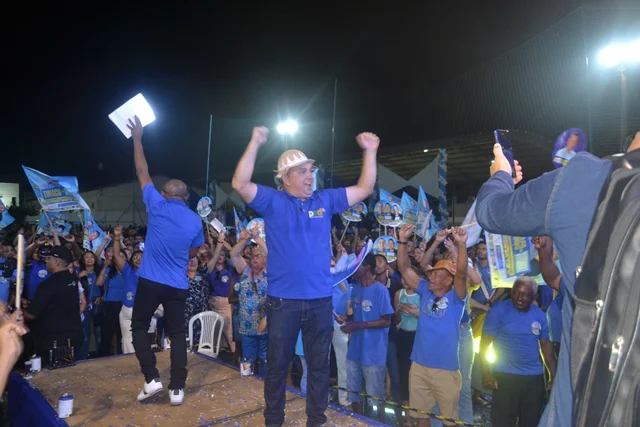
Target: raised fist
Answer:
[[368, 141], [260, 135]]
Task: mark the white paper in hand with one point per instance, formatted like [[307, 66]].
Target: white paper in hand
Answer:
[[136, 106], [217, 225]]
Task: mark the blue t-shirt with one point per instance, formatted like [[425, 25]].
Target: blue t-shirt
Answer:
[[340, 299], [298, 238], [545, 296], [516, 338], [436, 342], [219, 281], [173, 229], [4, 289], [130, 285], [115, 288], [554, 314], [369, 346], [37, 274]]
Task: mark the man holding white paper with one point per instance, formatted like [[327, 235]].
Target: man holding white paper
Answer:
[[174, 236]]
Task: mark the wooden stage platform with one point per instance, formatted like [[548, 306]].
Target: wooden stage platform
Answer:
[[105, 393]]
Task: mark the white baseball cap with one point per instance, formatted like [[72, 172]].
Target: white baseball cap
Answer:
[[289, 159]]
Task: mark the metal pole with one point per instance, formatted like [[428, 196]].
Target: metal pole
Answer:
[[133, 195], [206, 183], [623, 107], [588, 80], [333, 127]]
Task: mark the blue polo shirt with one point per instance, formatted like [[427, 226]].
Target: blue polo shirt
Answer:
[[369, 346], [173, 229], [130, 285], [37, 274], [438, 332], [299, 240], [516, 338]]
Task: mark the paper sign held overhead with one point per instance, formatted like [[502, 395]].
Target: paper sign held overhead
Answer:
[[136, 106], [217, 225]]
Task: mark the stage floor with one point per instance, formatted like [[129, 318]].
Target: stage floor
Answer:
[[105, 393]]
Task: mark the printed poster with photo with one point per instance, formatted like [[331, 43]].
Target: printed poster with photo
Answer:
[[509, 257], [93, 234], [567, 145], [423, 212], [204, 207], [257, 223], [356, 213], [56, 220], [389, 214], [387, 246]]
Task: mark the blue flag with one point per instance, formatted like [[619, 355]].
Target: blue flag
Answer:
[[353, 265], [55, 193], [5, 218], [387, 197], [409, 209], [423, 212], [93, 234]]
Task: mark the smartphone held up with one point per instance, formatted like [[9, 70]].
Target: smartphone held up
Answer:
[[502, 138]]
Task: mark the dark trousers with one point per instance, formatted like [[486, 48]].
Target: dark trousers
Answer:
[[404, 346], [110, 327], [148, 297], [286, 318], [518, 397]]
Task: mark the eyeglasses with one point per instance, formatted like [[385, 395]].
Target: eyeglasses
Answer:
[[257, 256], [434, 306]]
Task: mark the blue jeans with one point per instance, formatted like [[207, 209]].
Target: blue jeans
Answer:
[[254, 348], [365, 379], [286, 318], [83, 351]]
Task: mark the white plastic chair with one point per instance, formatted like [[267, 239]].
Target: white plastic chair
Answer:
[[211, 322]]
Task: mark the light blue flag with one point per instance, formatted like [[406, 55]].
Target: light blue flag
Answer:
[[93, 234], [55, 193], [423, 212], [54, 220], [353, 265], [5, 218], [387, 197], [237, 222], [409, 209]]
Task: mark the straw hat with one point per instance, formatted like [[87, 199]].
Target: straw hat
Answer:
[[289, 159]]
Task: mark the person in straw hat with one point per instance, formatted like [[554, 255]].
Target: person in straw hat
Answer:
[[298, 225]]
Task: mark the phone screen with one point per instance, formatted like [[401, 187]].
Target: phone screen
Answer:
[[502, 138]]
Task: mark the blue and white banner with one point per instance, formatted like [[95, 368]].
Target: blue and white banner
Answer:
[[387, 197], [509, 257], [353, 265], [409, 209], [50, 221], [442, 185], [93, 234], [423, 212], [5, 218], [55, 193]]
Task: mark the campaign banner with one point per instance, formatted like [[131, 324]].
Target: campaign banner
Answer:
[[238, 223], [509, 257], [355, 213], [55, 193], [93, 234], [58, 221], [387, 246], [353, 265], [5, 218], [409, 209], [387, 197], [423, 212], [257, 224]]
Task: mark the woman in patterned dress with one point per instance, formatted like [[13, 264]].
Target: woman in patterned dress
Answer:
[[198, 299]]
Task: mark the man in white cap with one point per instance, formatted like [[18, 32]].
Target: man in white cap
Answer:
[[298, 225]]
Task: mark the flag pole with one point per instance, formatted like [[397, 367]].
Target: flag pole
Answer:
[[206, 183]]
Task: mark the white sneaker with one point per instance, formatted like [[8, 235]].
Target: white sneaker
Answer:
[[177, 396], [149, 389]]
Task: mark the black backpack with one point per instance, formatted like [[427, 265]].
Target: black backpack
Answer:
[[605, 341]]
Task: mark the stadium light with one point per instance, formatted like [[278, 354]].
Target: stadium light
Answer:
[[618, 54], [287, 128]]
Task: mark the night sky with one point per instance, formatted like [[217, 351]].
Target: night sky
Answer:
[[246, 64]]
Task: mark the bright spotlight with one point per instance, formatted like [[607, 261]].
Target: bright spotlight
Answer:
[[426, 150], [287, 128], [617, 54]]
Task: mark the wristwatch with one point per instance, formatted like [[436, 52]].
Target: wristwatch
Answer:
[[402, 243]]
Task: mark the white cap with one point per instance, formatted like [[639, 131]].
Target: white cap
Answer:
[[289, 159]]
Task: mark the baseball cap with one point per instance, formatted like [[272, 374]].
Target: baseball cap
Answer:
[[62, 253], [444, 264]]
